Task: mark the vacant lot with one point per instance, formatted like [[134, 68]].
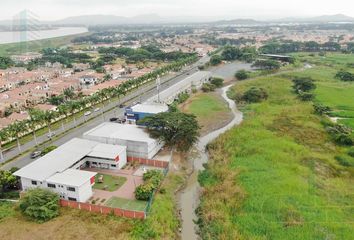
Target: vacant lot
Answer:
[[277, 175], [211, 110]]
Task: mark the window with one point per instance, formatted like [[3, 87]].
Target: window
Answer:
[[34, 182], [71, 189], [51, 185], [72, 199], [113, 165]]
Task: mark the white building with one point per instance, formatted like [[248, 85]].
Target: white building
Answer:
[[60, 171], [135, 138], [139, 111]]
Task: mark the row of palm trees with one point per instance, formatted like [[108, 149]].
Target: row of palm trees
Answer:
[[38, 118]]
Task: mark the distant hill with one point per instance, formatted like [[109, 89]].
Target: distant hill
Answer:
[[320, 19], [240, 21]]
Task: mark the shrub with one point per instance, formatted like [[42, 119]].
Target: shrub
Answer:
[[208, 87], [341, 134], [345, 76], [343, 161], [303, 84], [254, 95], [48, 150], [217, 82], [351, 152], [144, 191], [40, 204], [306, 96], [321, 109], [242, 74]]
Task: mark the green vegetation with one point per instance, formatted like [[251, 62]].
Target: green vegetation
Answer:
[[6, 210], [5, 62], [109, 182], [276, 176], [345, 76], [266, 64], [208, 87], [127, 204], [242, 74], [215, 60], [176, 129], [152, 180], [40, 204], [217, 82], [48, 150]]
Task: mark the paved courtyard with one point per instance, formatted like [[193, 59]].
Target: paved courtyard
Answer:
[[125, 191]]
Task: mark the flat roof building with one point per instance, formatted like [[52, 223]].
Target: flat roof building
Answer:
[[135, 138], [60, 171], [139, 111]]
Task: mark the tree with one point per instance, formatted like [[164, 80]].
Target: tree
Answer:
[[16, 129], [178, 130], [217, 82], [215, 60], [345, 76], [266, 64], [320, 109], [40, 204], [302, 84], [48, 117], [36, 118], [3, 137], [242, 74], [8, 180], [231, 53], [144, 191], [208, 87]]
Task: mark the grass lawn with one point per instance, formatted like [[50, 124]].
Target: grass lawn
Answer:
[[128, 204], [276, 176], [211, 110], [110, 183]]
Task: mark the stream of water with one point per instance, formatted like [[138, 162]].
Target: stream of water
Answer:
[[189, 198]]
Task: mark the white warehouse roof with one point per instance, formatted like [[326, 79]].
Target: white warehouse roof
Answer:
[[121, 131], [71, 177], [63, 158], [150, 108], [107, 151]]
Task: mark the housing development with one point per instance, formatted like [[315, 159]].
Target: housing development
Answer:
[[142, 120]]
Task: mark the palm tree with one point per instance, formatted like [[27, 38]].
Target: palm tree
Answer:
[[36, 117], [73, 106], [48, 117], [16, 129], [63, 109], [3, 136]]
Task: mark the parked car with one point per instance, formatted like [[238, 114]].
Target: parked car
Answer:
[[50, 135], [119, 120], [96, 109], [88, 113], [121, 106], [36, 154], [113, 119]]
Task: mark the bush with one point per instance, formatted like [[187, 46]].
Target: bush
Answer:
[[208, 87], [345, 76], [254, 95], [242, 74], [351, 152], [217, 82], [40, 204], [305, 96], [344, 161], [144, 191], [321, 109], [153, 175], [341, 134], [303, 84]]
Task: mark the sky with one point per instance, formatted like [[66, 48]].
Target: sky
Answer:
[[215, 9]]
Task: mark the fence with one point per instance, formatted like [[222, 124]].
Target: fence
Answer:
[[103, 209], [149, 162]]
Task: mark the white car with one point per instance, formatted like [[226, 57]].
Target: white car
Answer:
[[87, 113], [96, 109], [50, 135]]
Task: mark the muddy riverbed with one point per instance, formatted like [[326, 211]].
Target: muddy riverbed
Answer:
[[189, 196]]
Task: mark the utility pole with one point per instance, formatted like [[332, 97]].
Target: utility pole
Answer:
[[158, 82]]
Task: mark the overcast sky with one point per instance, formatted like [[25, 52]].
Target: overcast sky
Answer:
[[259, 9]]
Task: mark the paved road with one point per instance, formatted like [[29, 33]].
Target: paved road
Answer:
[[109, 111]]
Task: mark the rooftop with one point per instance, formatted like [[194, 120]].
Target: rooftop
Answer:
[[121, 131], [150, 108], [64, 157], [71, 177]]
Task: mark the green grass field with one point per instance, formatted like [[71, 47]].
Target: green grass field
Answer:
[[277, 175], [110, 183], [127, 204], [211, 110]]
